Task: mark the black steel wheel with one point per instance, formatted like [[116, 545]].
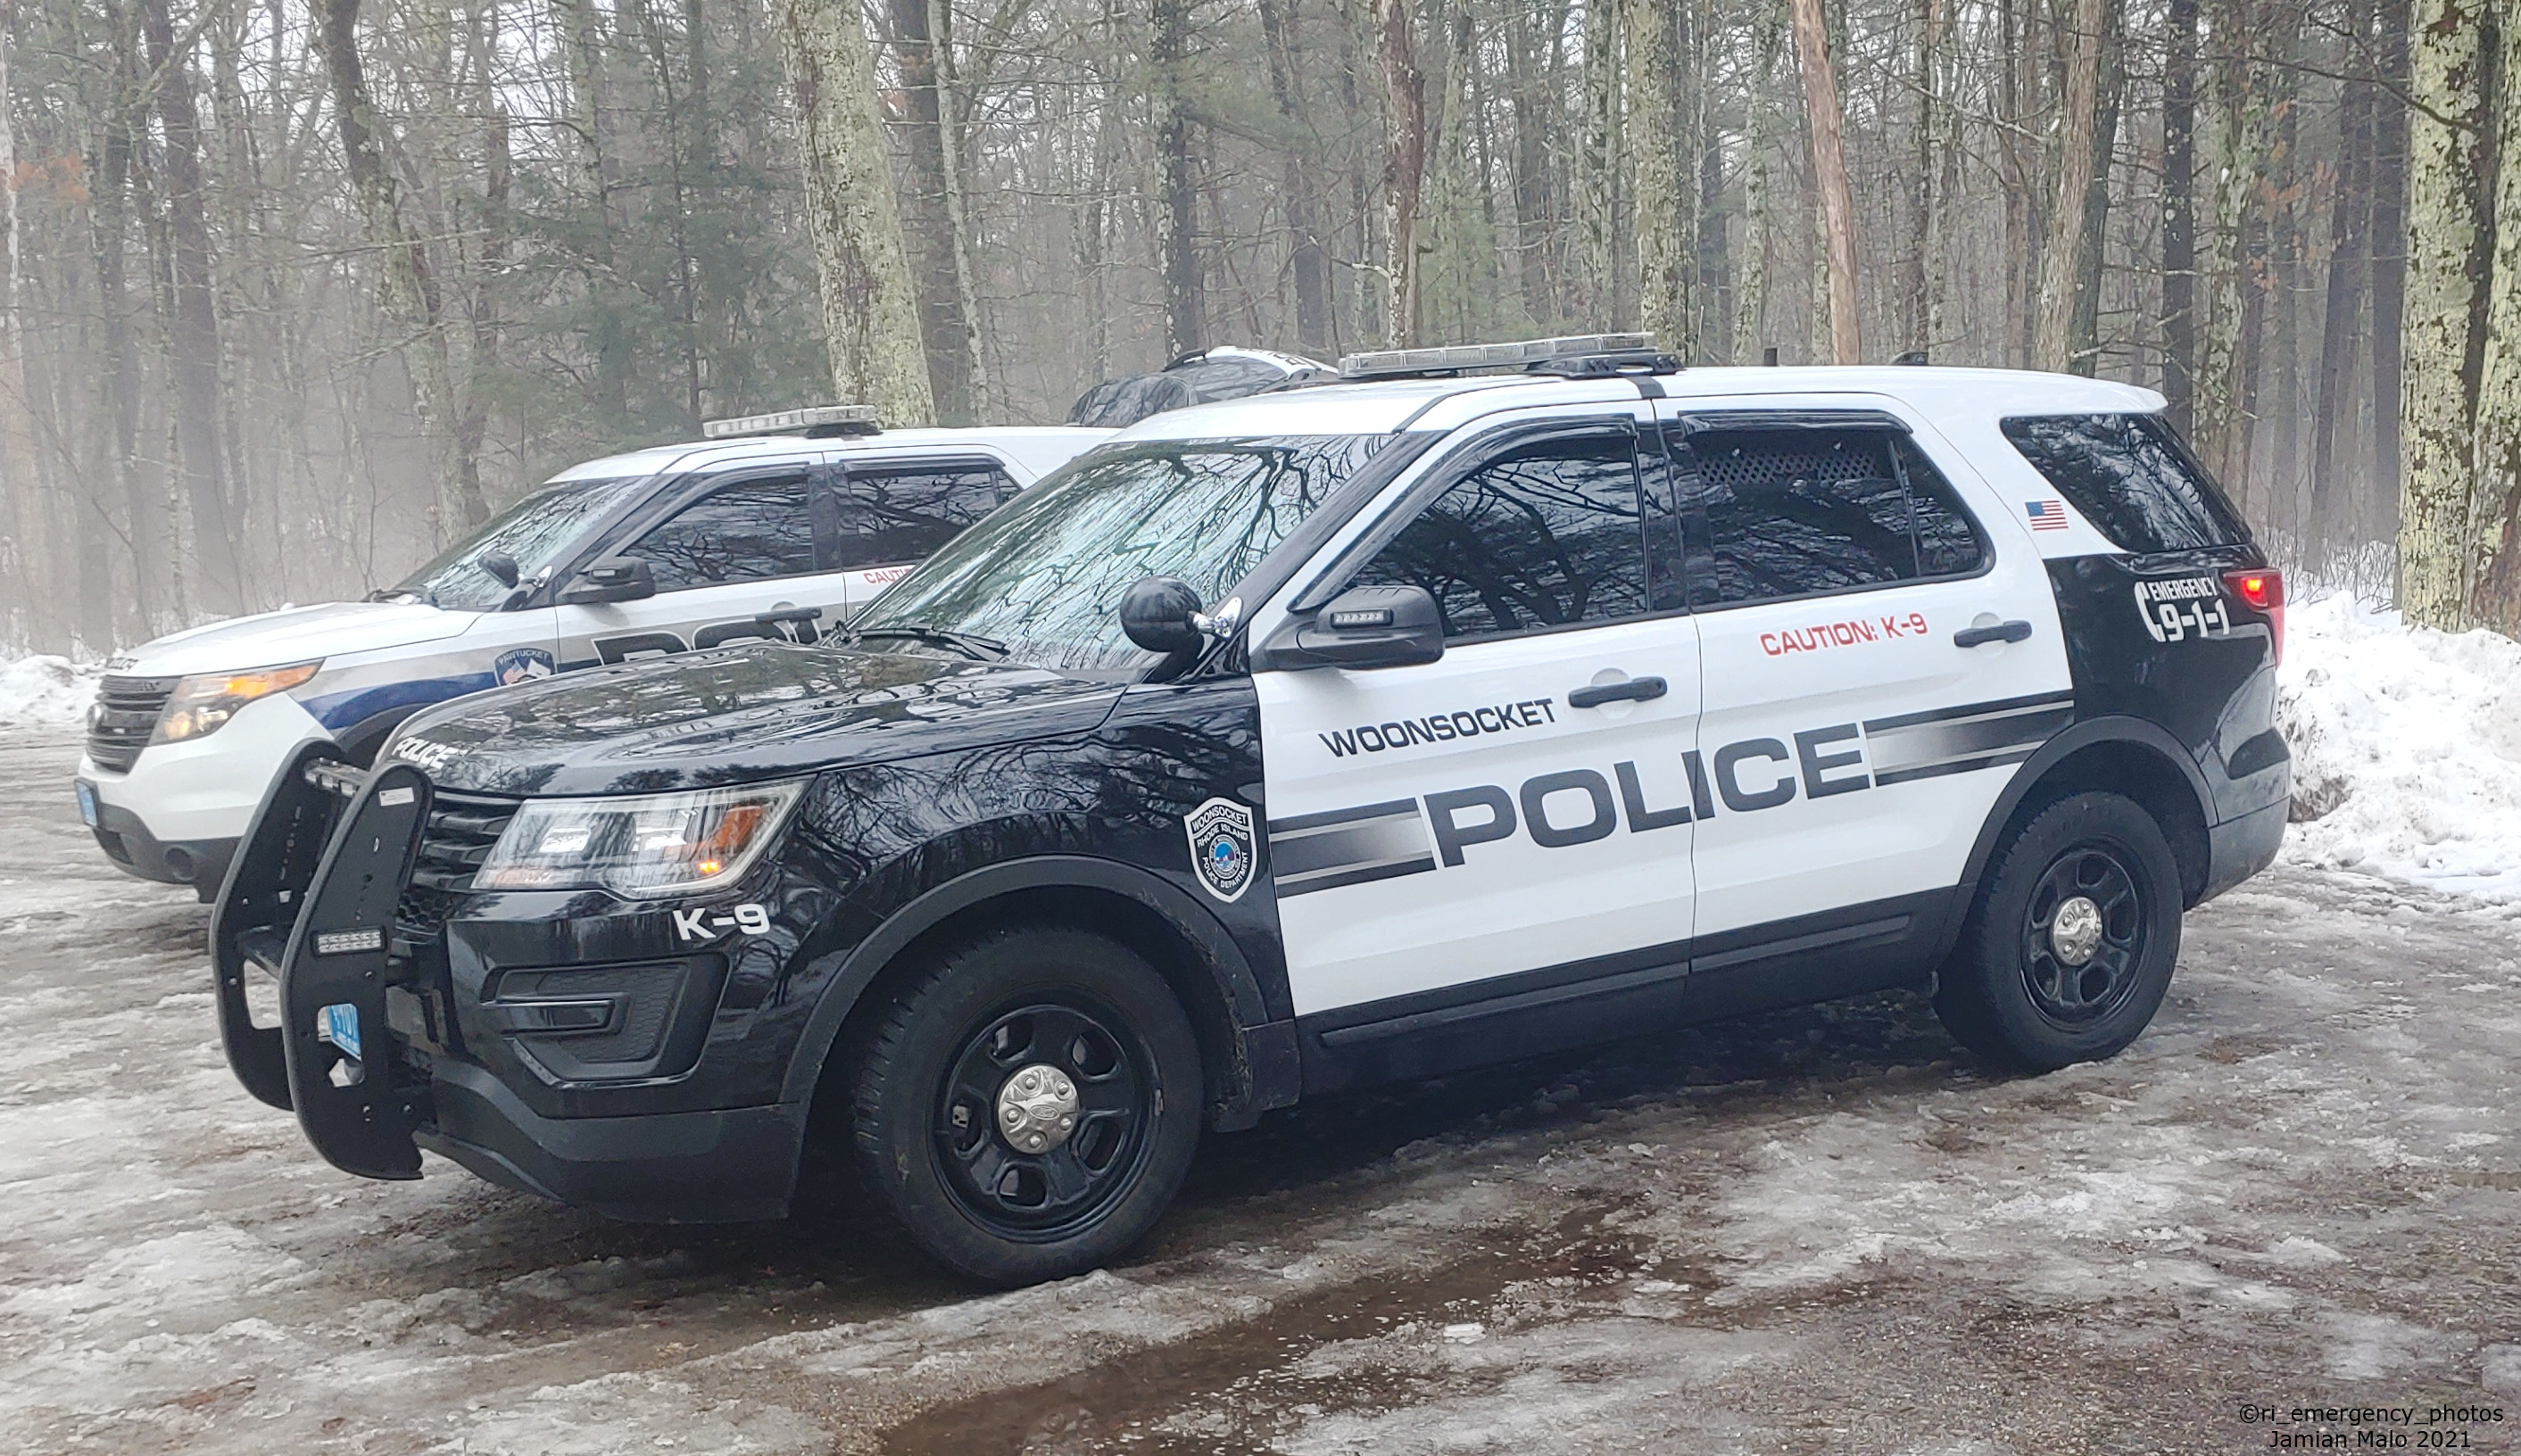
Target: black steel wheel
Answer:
[[2082, 936], [2070, 945], [1028, 1104], [1043, 1117]]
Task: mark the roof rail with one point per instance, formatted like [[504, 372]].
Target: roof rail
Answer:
[[813, 422], [1578, 355]]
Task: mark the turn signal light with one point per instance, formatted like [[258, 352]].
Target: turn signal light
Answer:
[[2261, 589]]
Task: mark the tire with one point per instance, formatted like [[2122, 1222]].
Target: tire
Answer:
[[1056, 1022], [2014, 991]]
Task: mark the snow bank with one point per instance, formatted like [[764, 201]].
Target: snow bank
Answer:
[[2407, 748], [45, 690]]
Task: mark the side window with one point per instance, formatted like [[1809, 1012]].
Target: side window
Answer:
[[2130, 475], [1544, 537], [753, 531], [889, 514], [1948, 542], [1791, 512]]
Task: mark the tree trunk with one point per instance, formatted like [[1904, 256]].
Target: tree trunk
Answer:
[[194, 332], [2492, 538], [1829, 179], [410, 287], [2180, 217], [2389, 243], [119, 363], [1404, 166], [2222, 420], [2450, 167], [1663, 92], [1308, 257], [2053, 329], [1597, 179], [1751, 299], [28, 564], [1535, 201], [928, 222], [582, 45], [1185, 277], [2091, 247], [2348, 214], [870, 306], [1916, 266]]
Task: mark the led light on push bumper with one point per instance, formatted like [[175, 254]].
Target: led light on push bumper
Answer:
[[661, 843], [199, 706]]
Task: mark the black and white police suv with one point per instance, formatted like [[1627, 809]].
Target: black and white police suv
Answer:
[[775, 525], [1289, 745]]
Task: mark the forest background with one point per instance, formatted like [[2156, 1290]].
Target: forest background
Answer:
[[293, 291]]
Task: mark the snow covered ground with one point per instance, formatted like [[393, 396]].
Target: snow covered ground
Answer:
[[2407, 750], [45, 690]]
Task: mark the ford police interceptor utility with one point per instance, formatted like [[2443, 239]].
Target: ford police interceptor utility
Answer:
[[639, 555], [1291, 745]]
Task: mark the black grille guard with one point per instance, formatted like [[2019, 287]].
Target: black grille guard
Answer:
[[310, 898]]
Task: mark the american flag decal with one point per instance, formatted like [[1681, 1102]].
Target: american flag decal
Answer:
[[2045, 515]]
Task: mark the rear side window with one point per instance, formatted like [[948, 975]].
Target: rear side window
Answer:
[[1544, 537], [754, 530], [889, 514], [2130, 475], [1794, 511]]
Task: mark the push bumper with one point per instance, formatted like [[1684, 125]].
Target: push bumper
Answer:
[[311, 900]]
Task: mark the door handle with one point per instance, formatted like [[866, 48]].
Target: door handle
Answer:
[[1635, 690], [2011, 632]]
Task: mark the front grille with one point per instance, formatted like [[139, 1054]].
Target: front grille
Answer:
[[461, 829], [126, 715]]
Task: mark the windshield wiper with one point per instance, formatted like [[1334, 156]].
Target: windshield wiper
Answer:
[[969, 643], [392, 594]]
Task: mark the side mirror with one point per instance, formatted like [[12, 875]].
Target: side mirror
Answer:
[[500, 565], [1163, 615], [1363, 626], [612, 579]]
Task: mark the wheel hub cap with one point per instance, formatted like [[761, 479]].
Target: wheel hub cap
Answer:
[[2076, 934], [1038, 1109]]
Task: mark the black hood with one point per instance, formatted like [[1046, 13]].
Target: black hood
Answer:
[[738, 715]]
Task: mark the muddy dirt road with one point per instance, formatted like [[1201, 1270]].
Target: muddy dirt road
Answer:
[[1817, 1232]]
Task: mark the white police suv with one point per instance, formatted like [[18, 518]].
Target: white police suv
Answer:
[[776, 525], [1291, 745]]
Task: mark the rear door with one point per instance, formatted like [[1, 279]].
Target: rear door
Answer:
[[737, 551], [1881, 651], [1448, 837], [887, 516]]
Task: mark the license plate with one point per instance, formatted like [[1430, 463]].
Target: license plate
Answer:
[[87, 803], [339, 1024]]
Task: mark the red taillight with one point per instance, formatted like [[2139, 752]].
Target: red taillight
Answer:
[[2263, 590]]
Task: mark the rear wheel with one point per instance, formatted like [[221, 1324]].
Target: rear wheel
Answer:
[[2070, 948], [1029, 1106]]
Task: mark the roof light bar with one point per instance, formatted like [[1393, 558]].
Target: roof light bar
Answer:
[[1454, 358], [836, 419]]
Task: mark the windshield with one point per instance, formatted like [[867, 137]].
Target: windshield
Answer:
[[1044, 574], [538, 530]]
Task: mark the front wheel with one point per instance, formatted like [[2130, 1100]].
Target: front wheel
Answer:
[[1029, 1105], [2069, 950]]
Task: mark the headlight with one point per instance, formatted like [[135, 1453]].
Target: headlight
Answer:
[[661, 843], [199, 704]]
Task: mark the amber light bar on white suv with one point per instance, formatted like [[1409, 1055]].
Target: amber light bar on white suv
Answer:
[[1455, 358]]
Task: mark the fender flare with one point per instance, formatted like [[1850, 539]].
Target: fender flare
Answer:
[[2072, 739], [1232, 972]]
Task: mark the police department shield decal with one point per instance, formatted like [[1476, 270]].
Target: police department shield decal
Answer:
[[1222, 847]]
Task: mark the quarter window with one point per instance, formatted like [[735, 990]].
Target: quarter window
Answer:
[[753, 531], [894, 514], [1544, 537], [2130, 475]]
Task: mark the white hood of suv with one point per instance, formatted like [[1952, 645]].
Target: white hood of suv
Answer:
[[297, 634]]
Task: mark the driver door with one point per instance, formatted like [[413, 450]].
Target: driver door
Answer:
[[1452, 840]]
